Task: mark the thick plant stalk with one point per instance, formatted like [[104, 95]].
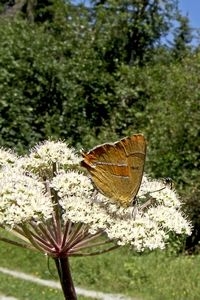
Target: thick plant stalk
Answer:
[[62, 265]]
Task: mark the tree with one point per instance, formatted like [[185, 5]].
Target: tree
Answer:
[[133, 28], [32, 10], [182, 37]]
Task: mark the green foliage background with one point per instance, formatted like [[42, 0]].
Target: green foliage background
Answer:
[[95, 74]]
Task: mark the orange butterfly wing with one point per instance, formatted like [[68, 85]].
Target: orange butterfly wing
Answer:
[[117, 169]]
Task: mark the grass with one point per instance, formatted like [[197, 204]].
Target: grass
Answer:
[[153, 276], [10, 286]]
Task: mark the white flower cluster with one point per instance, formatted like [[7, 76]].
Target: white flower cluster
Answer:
[[23, 194], [42, 157], [23, 197], [7, 157], [160, 191], [148, 229]]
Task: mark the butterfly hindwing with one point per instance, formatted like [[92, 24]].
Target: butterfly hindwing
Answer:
[[116, 169]]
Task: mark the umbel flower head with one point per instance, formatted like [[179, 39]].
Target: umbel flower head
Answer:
[[52, 205]]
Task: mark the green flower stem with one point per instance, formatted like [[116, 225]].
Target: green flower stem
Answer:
[[62, 265]]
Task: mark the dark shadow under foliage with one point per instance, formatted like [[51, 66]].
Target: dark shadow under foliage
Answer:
[[192, 208]]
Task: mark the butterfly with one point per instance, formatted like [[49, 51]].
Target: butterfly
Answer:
[[116, 169]]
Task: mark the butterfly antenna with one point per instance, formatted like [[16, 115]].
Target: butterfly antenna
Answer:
[[147, 203], [151, 199]]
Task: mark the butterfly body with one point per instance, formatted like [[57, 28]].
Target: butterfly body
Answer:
[[117, 168]]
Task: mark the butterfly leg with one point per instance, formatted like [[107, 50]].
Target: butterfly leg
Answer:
[[135, 208], [94, 196]]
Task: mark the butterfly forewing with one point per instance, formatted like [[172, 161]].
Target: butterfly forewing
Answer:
[[117, 169]]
